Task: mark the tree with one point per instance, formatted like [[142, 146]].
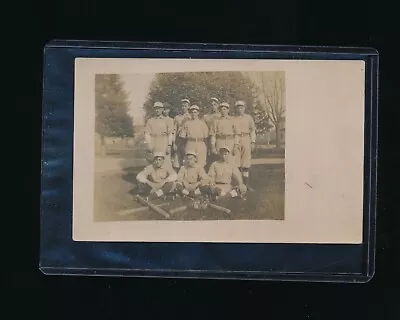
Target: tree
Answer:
[[261, 120], [199, 87], [273, 87], [112, 118]]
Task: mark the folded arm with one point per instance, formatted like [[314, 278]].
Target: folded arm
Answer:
[[237, 175], [142, 176], [172, 175], [147, 137]]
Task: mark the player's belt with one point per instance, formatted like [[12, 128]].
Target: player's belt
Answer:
[[221, 183], [162, 134], [196, 139], [225, 136], [244, 134]]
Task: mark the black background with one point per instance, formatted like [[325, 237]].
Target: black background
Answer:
[[31, 25]]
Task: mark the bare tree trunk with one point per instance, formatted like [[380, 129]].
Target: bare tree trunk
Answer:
[[103, 150], [278, 135]]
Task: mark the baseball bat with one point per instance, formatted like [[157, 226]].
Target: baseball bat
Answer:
[[153, 207], [219, 208], [135, 210], [214, 206], [178, 209]]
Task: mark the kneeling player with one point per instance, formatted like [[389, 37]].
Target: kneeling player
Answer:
[[223, 174], [192, 179], [158, 178]]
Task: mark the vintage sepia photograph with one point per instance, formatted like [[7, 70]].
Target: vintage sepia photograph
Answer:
[[218, 150], [190, 146]]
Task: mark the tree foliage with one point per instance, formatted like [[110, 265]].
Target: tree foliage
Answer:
[[199, 87], [261, 119], [112, 118]]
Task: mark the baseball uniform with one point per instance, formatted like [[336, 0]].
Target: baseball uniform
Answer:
[[224, 132], [246, 127], [195, 133], [222, 175], [179, 141]]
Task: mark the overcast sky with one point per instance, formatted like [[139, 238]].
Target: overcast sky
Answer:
[[137, 86]]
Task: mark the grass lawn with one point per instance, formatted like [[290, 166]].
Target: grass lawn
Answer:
[[268, 152], [262, 151], [113, 193]]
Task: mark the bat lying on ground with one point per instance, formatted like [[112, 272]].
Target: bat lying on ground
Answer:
[[153, 207], [136, 210], [212, 205], [178, 209], [219, 208]]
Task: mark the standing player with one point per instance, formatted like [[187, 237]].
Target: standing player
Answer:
[[195, 133], [158, 133], [247, 139], [179, 145], [224, 132], [166, 112], [170, 124], [209, 119]]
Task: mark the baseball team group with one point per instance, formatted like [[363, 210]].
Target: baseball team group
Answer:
[[198, 156]]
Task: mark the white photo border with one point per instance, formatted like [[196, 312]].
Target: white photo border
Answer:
[[324, 149]]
